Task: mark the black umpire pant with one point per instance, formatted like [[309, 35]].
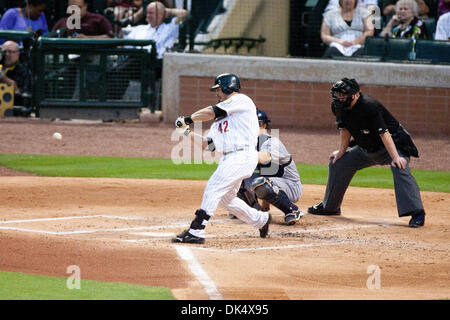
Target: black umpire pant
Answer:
[[407, 193]]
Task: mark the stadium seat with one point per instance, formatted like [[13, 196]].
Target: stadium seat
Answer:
[[434, 50], [398, 49], [3, 7], [375, 46], [98, 6], [430, 24], [311, 20]]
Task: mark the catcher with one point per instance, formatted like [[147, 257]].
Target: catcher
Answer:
[[378, 139], [276, 180]]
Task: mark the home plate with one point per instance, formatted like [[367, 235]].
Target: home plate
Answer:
[[153, 234]]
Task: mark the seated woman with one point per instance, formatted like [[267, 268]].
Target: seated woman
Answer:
[[405, 22], [389, 8], [345, 29], [30, 17]]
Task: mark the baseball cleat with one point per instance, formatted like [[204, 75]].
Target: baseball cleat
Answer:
[[291, 218], [264, 231], [417, 220], [187, 237], [319, 210]]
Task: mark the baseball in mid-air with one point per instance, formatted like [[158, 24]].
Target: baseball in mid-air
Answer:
[[57, 136]]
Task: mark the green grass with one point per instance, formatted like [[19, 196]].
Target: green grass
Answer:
[[104, 167], [115, 167], [20, 286]]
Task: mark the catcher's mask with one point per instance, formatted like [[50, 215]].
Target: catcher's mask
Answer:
[[263, 119], [228, 82], [347, 87]]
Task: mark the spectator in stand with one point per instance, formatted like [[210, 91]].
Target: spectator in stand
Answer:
[[164, 34], [14, 73], [405, 23], [368, 4], [444, 7], [93, 25], [126, 8], [124, 11], [345, 29], [443, 27], [138, 17], [389, 8], [30, 17]]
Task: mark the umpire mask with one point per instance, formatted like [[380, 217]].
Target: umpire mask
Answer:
[[347, 87]]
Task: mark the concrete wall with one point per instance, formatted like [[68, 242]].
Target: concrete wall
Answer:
[[296, 92]]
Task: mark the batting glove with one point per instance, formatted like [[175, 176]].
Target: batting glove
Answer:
[[183, 122]]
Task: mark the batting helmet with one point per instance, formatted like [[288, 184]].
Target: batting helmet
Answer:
[[262, 118], [228, 82]]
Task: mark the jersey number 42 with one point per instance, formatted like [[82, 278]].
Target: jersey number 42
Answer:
[[223, 128]]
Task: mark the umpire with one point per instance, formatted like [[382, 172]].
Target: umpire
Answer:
[[375, 138]]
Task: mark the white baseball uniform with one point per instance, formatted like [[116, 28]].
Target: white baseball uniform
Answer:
[[236, 136]]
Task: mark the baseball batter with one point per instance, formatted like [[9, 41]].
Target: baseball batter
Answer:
[[234, 133], [277, 180]]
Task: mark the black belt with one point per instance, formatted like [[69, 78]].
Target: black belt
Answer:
[[240, 149], [372, 149]]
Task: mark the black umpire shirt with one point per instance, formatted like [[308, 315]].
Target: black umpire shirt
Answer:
[[366, 121]]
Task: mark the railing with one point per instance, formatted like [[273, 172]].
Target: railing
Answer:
[[89, 78], [237, 43], [93, 73]]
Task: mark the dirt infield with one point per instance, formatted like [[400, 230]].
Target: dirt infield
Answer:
[[119, 229]]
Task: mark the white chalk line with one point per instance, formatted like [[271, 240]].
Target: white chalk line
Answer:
[[278, 233], [339, 228], [74, 217], [294, 246], [211, 290], [178, 225], [28, 230], [91, 230], [82, 231], [49, 219]]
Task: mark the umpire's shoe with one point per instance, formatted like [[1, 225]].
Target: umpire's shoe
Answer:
[[187, 237], [417, 220], [291, 218], [264, 231], [319, 210]]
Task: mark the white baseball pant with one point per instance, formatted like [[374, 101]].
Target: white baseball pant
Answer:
[[223, 186]]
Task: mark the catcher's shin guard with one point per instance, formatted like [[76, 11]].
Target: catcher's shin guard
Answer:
[[283, 203], [249, 197], [200, 221], [264, 190]]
